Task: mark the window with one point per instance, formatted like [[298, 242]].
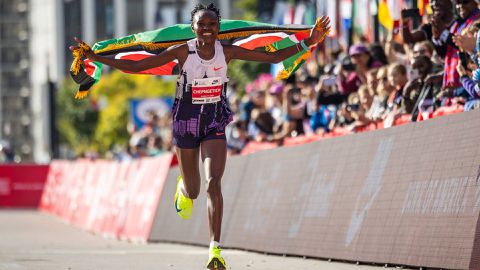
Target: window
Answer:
[[135, 16], [104, 19]]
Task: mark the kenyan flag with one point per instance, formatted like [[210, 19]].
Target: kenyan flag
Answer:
[[250, 35]]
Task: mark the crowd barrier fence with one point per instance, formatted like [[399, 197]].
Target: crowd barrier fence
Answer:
[[407, 195]]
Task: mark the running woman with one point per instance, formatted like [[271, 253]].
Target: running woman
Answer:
[[201, 112]]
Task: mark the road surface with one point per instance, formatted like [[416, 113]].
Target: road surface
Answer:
[[38, 241]]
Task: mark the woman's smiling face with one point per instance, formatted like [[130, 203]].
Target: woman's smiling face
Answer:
[[206, 26]]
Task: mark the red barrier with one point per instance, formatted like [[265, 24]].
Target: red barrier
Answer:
[[253, 147], [448, 110], [301, 140], [403, 119], [22, 185], [117, 199]]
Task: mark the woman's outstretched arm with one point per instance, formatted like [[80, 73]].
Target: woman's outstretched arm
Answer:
[[170, 54], [320, 29]]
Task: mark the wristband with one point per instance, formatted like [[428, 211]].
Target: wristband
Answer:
[[298, 48], [304, 46]]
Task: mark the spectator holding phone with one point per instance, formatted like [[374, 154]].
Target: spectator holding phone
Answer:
[[349, 81], [441, 18]]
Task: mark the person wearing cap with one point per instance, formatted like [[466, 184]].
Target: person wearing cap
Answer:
[[350, 81]]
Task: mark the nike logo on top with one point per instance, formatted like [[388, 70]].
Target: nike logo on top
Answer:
[[215, 69]]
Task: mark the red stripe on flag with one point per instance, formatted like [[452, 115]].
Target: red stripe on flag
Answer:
[[260, 42], [302, 35], [166, 69], [89, 67]]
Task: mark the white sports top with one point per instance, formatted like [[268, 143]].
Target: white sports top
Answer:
[[198, 68]]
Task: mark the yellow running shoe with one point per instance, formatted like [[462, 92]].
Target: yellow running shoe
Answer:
[[215, 260], [183, 204]]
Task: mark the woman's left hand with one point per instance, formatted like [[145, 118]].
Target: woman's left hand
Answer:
[[319, 31]]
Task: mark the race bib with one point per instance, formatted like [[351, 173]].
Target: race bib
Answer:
[[207, 90]]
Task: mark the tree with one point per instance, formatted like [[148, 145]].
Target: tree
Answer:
[[243, 72], [99, 122], [76, 119]]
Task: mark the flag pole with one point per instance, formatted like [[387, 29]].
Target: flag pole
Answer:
[[376, 24], [416, 21], [352, 24]]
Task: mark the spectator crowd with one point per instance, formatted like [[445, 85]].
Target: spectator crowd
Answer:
[[413, 75]]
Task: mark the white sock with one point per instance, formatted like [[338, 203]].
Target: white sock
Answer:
[[182, 188], [214, 244]]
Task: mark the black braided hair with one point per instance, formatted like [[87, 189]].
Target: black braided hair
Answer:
[[211, 7]]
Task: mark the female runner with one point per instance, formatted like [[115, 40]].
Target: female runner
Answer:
[[201, 112]]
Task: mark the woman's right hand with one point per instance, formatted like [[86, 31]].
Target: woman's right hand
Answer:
[[88, 51]]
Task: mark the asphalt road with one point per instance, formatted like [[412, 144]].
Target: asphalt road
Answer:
[[38, 241]]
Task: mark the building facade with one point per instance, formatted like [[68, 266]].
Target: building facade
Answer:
[[15, 91]]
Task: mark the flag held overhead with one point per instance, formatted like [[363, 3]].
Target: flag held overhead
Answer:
[[250, 35]]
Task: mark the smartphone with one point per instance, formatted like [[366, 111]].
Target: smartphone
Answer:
[[329, 81], [396, 27], [353, 107], [347, 64], [349, 67], [463, 59], [411, 13]]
